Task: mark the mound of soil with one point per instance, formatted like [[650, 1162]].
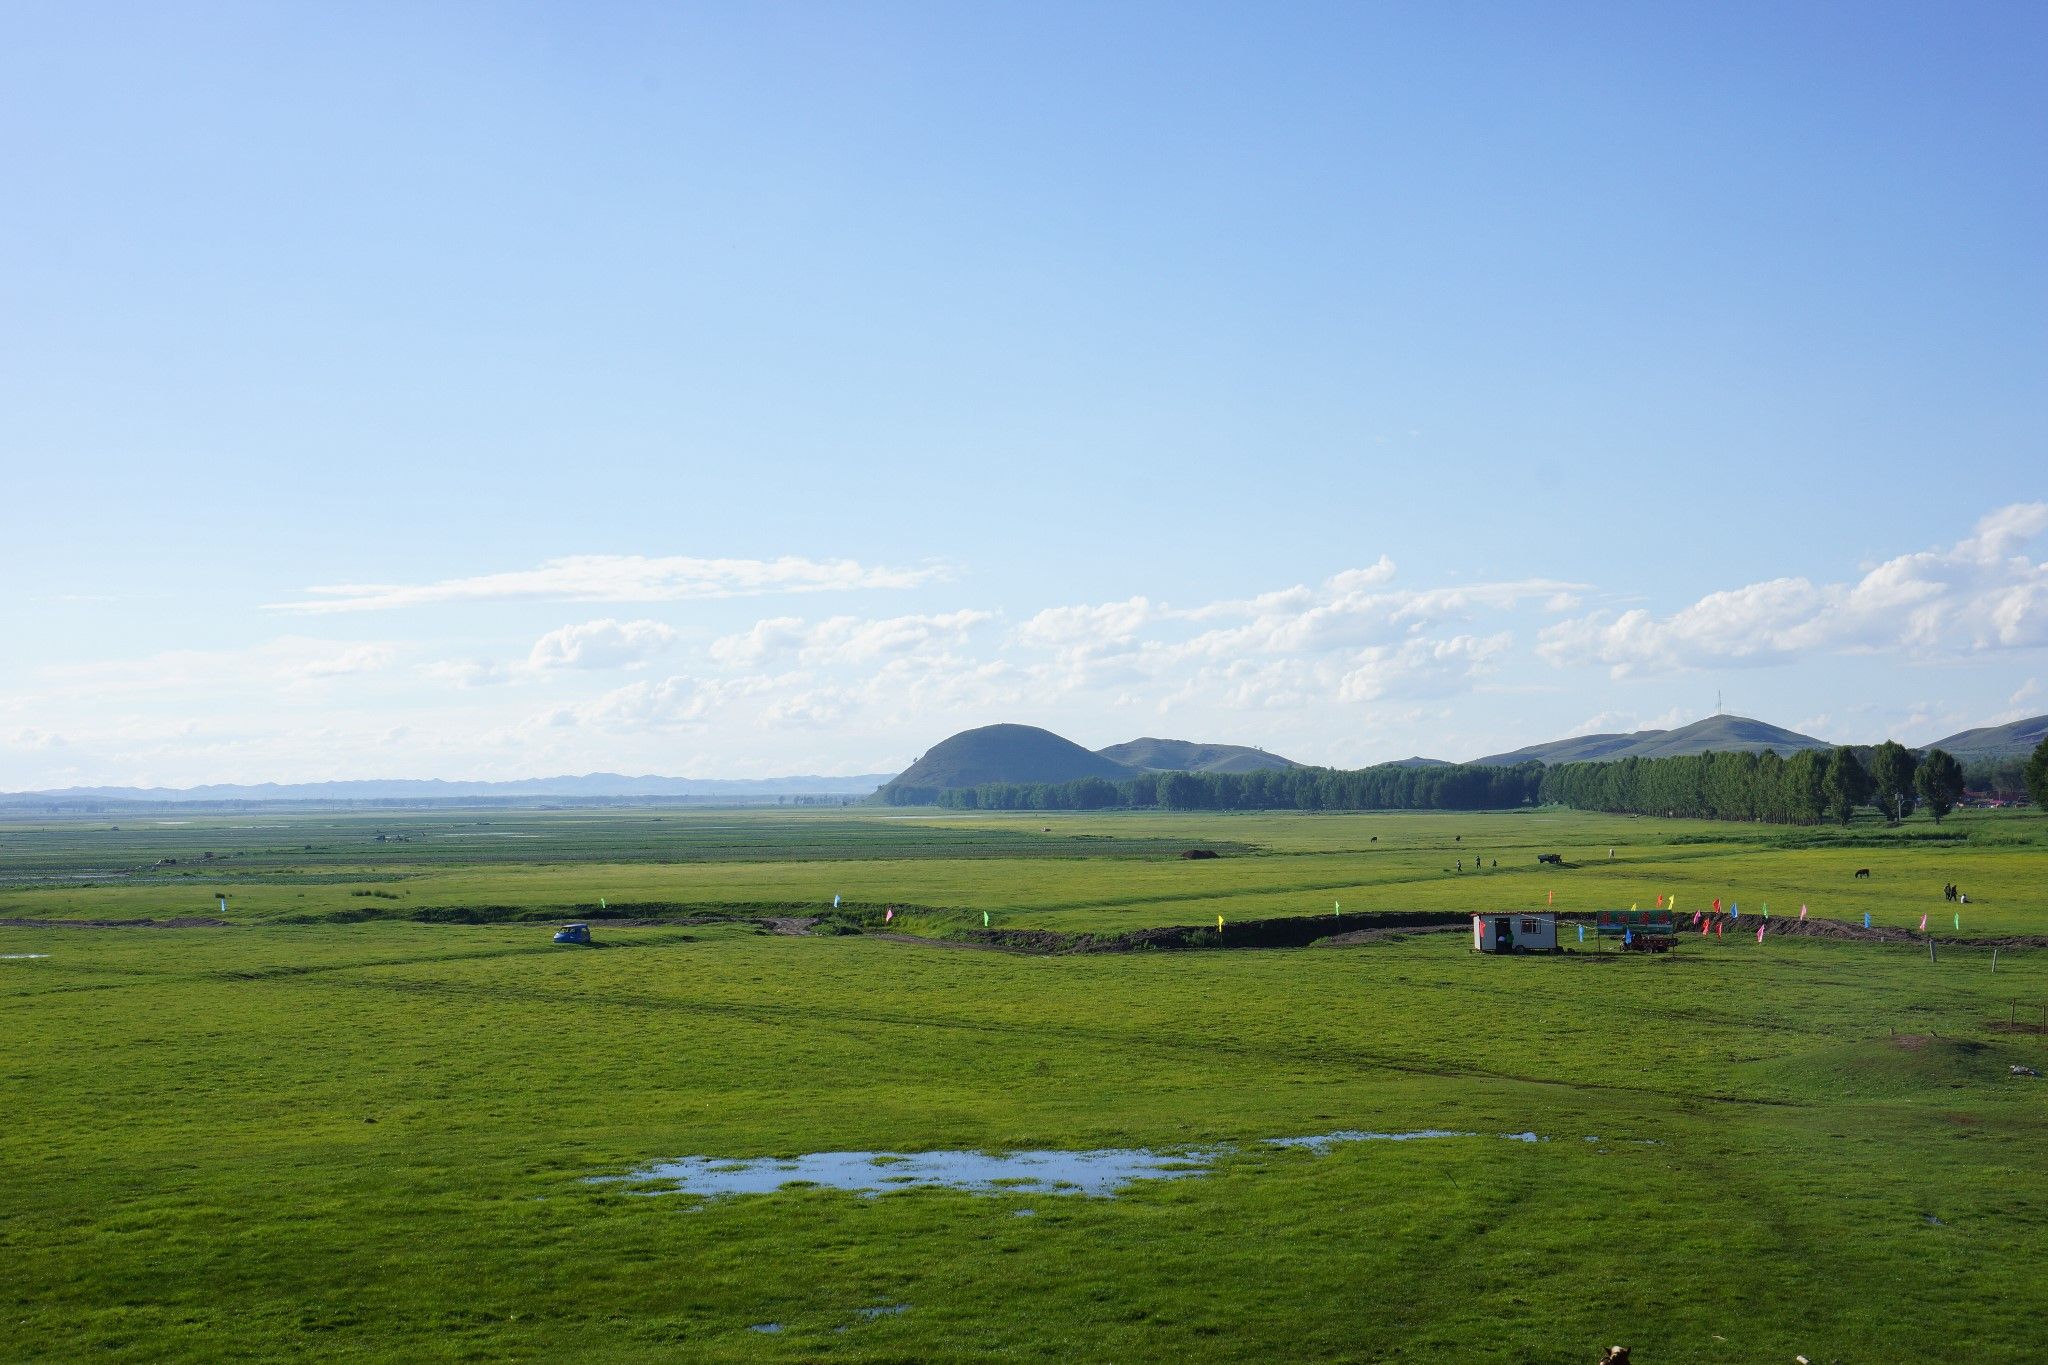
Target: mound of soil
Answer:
[[1198, 853], [194, 922]]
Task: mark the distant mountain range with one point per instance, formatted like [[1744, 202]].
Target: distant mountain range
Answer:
[[589, 785], [1179, 755], [1025, 753], [1715, 734], [2015, 739]]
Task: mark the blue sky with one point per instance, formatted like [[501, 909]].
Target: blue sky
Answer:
[[495, 391]]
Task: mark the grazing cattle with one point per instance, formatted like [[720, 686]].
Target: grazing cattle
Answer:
[[1556, 858], [1863, 872]]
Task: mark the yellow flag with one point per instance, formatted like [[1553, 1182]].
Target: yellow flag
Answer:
[[1631, 905], [1219, 924]]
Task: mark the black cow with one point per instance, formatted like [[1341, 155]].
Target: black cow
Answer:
[[1556, 858], [1863, 872]]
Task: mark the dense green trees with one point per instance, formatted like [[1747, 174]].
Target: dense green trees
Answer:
[[1387, 787], [2037, 775], [1939, 780], [1891, 780], [1810, 787], [1846, 786]]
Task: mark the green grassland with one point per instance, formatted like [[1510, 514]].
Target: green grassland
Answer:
[[327, 1129]]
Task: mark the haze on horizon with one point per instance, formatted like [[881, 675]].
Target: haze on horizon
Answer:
[[412, 392]]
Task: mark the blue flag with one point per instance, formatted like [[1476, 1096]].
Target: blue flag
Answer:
[[1866, 919], [1582, 933]]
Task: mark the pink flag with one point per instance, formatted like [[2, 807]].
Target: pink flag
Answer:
[[1923, 924], [1760, 932], [888, 913], [1802, 912]]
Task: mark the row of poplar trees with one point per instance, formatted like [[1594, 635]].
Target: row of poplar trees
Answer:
[[1811, 787]]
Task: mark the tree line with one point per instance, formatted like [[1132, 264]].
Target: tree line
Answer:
[[1811, 787], [1389, 786]]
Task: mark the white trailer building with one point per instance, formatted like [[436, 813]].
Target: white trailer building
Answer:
[[1517, 933]]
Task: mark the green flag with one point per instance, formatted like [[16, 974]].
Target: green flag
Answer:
[[984, 919]]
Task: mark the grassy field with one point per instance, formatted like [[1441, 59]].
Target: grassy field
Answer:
[[328, 1129]]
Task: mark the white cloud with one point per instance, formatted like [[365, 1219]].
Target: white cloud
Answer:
[[600, 644], [353, 659], [1980, 595], [845, 640], [618, 578], [1422, 668], [1089, 628], [668, 704]]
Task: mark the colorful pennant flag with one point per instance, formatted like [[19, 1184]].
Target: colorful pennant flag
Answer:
[[1717, 928], [1760, 932], [835, 900], [1660, 900], [1802, 911], [888, 912], [1923, 924], [1550, 898], [984, 919], [1582, 933], [1866, 919]]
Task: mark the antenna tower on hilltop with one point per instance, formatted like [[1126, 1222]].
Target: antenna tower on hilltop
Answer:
[[1717, 701]]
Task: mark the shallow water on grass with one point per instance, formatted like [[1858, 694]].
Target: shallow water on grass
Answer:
[[21, 957], [1106, 1171], [1323, 1142]]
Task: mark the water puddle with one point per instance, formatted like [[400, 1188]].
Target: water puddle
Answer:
[[886, 1310], [1104, 1172], [21, 957], [1323, 1142], [766, 1328], [1107, 1171]]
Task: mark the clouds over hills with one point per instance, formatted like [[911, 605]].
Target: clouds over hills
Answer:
[[1983, 593], [1359, 665]]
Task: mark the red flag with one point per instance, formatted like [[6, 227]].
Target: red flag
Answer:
[[1703, 928], [1660, 900], [1717, 905], [1717, 928]]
